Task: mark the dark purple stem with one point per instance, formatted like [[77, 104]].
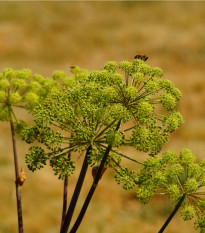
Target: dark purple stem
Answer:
[[93, 187], [172, 214], [18, 189], [76, 193], [64, 200]]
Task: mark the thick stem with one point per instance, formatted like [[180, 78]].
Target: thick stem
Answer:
[[173, 213], [76, 193], [18, 189], [91, 192], [65, 199], [93, 187], [65, 190]]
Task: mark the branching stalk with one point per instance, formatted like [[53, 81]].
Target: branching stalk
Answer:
[[76, 193], [93, 187], [173, 213]]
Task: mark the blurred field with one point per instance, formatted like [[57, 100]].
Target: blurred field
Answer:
[[45, 36]]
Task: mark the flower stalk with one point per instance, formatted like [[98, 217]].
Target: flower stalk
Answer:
[[65, 190], [76, 193], [173, 213], [18, 189], [93, 187]]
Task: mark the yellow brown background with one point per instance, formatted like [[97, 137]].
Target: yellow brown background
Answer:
[[45, 36]]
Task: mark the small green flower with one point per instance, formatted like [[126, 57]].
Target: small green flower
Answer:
[[168, 101], [23, 74], [63, 167], [131, 92], [153, 86], [138, 78], [110, 66], [175, 170], [200, 224], [145, 69], [59, 75], [9, 73], [34, 86], [18, 83], [173, 192], [3, 96], [140, 138], [176, 93], [188, 212], [170, 157], [4, 114], [114, 138], [156, 71], [68, 82], [31, 99], [145, 193], [15, 98], [36, 158], [186, 157], [127, 178], [4, 84], [166, 84], [126, 66], [173, 121], [144, 111], [191, 185]]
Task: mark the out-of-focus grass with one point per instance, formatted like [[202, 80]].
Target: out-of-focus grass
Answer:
[[45, 36]]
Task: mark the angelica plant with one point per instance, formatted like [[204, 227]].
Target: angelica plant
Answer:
[[20, 89], [97, 112], [184, 182], [179, 177]]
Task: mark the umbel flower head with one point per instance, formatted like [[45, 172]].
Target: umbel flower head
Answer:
[[22, 89], [91, 104], [178, 175]]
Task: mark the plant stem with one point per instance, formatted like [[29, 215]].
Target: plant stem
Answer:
[[65, 190], [65, 199], [18, 189], [93, 187], [173, 213], [76, 193]]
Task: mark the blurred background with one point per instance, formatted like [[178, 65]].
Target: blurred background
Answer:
[[45, 36]]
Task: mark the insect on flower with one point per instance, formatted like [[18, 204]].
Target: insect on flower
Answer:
[[141, 56]]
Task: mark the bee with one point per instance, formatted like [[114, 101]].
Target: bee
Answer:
[[142, 57], [72, 67]]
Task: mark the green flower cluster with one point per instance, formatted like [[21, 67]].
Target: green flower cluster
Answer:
[[97, 112], [22, 89], [177, 175], [128, 179], [89, 106]]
